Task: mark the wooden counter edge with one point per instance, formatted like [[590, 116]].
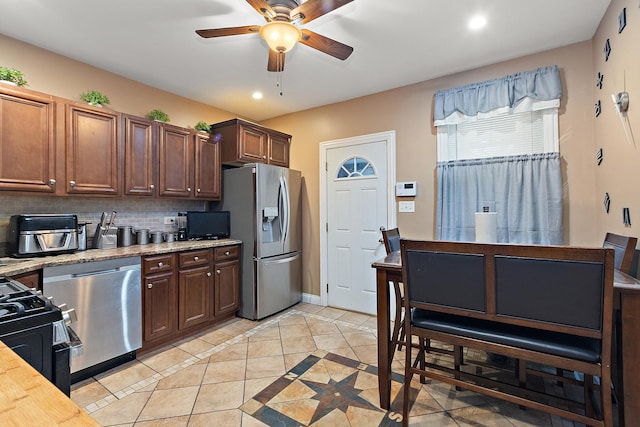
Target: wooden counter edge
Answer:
[[28, 398]]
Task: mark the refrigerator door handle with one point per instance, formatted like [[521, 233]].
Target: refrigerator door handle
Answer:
[[284, 194], [280, 260]]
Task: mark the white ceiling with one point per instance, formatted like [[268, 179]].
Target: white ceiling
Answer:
[[396, 43]]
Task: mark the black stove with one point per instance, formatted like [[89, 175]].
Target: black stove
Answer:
[[31, 326], [18, 301]]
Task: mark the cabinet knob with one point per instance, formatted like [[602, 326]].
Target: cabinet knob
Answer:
[[264, 157], [188, 188], [208, 274], [152, 186], [160, 264], [195, 258], [149, 285], [218, 271], [198, 190], [227, 253], [52, 182], [72, 183]]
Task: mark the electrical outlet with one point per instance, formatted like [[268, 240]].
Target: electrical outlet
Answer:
[[406, 206], [168, 220]]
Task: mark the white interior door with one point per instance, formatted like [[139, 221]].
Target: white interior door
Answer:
[[356, 206]]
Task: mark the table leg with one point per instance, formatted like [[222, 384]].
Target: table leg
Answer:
[[384, 362]]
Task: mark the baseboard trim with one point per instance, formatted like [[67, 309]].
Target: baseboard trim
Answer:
[[311, 299]]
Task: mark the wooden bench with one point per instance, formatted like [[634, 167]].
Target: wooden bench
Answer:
[[550, 305]]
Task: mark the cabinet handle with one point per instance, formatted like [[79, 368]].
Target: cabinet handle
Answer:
[[227, 253], [160, 264], [264, 157], [72, 183], [195, 258], [152, 186], [149, 285], [52, 182], [208, 274], [198, 190], [188, 188], [218, 271]]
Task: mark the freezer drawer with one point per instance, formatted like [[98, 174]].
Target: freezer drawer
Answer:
[[279, 283]]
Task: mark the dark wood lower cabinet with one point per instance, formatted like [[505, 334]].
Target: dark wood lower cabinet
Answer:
[[188, 291]]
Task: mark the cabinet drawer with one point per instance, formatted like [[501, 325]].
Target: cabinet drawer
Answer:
[[225, 252], [156, 264], [193, 258]]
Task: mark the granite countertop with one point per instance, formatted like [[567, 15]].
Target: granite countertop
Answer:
[[14, 266]]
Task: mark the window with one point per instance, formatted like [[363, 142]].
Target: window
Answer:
[[509, 134], [355, 167]]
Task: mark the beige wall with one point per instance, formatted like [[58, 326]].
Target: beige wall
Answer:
[[61, 76], [408, 111], [619, 173]]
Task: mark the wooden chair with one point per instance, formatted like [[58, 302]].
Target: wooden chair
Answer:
[[391, 240], [624, 248]]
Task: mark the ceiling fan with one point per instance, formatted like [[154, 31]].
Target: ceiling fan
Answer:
[[281, 33]]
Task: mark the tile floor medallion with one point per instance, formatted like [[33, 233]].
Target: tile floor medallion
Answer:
[[324, 389]]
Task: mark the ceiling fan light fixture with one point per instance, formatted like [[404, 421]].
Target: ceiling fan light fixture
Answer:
[[281, 36]]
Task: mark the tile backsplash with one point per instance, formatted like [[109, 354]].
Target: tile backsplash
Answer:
[[137, 212]]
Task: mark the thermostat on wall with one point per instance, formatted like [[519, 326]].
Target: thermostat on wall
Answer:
[[406, 189]]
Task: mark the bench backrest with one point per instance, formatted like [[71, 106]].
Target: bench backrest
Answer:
[[560, 288]]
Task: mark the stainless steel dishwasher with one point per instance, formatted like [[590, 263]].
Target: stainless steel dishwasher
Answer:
[[108, 301]]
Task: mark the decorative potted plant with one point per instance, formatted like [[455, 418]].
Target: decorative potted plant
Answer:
[[158, 115], [12, 76], [93, 97], [202, 126]]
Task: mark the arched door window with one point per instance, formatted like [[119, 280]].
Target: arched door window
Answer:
[[355, 167]]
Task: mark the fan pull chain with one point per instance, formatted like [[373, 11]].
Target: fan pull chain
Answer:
[[280, 67]]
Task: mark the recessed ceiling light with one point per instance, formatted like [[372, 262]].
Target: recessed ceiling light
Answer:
[[477, 22], [257, 95]]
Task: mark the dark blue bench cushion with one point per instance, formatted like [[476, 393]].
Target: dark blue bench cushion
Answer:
[[559, 344]]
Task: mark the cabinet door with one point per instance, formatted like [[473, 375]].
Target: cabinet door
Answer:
[[194, 298], [92, 151], [159, 306], [227, 292], [279, 150], [208, 173], [139, 159], [176, 160], [252, 144], [27, 142]]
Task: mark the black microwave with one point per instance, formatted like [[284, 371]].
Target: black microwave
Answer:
[[202, 225]]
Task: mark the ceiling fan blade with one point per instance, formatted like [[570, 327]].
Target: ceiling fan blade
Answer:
[[263, 8], [325, 44], [312, 9], [231, 31], [276, 61]]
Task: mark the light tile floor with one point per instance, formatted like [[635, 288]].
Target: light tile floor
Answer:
[[205, 380]]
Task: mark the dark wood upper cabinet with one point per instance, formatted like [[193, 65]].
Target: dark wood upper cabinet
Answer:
[[246, 142], [175, 148], [91, 136], [139, 157], [27, 141], [208, 170], [279, 149]]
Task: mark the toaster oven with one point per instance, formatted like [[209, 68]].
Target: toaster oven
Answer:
[[31, 235]]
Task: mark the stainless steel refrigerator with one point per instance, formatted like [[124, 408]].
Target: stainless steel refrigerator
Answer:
[[264, 202]]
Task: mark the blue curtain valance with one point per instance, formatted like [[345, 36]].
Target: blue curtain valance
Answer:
[[542, 84]]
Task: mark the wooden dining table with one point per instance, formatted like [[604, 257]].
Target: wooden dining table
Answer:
[[626, 342]]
